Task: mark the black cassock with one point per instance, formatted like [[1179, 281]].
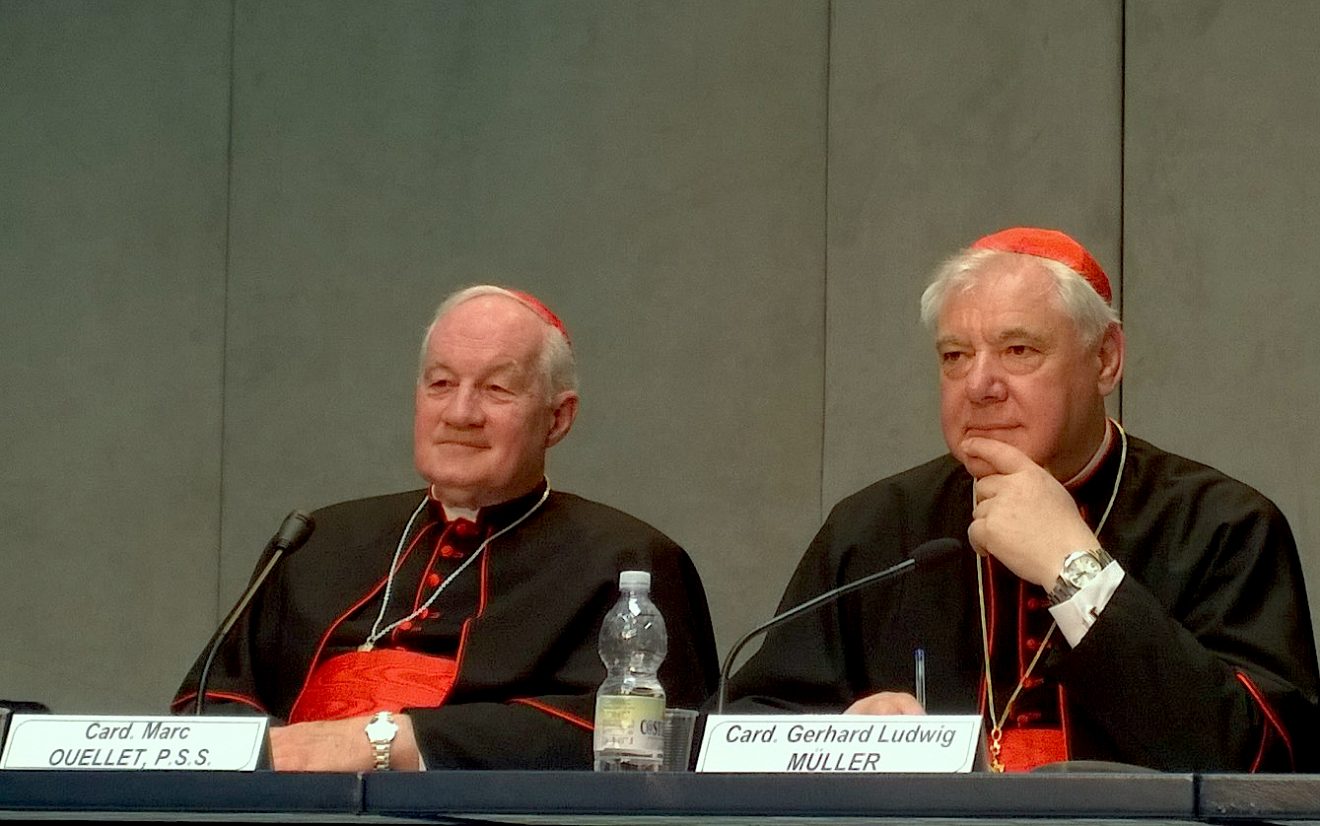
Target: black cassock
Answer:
[[1202, 660], [521, 622]]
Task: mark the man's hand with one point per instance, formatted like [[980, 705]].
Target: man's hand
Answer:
[[339, 746], [886, 702], [1023, 517]]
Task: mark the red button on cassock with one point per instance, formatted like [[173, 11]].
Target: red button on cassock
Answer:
[[465, 528]]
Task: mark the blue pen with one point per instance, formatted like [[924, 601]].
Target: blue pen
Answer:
[[920, 657]]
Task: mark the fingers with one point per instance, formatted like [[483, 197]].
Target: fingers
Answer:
[[987, 487], [976, 537], [1003, 458], [886, 702]]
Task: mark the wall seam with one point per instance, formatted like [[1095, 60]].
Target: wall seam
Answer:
[[825, 272], [1122, 174], [224, 312]]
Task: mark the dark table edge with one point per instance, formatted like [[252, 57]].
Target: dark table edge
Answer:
[[436, 794], [1226, 797], [1167, 796], [180, 791]]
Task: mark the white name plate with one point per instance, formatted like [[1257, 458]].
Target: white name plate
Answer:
[[835, 743], [89, 741]]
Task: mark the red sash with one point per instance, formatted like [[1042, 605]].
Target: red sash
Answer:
[[364, 682], [1023, 749]]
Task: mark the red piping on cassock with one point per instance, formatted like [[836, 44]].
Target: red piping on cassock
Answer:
[[222, 695], [551, 710], [1271, 719], [320, 646]]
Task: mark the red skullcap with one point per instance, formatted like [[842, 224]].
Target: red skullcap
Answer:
[[1054, 245], [544, 312]]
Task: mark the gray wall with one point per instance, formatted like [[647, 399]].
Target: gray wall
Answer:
[[225, 223]]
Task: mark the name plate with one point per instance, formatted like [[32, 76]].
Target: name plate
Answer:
[[831, 743], [88, 741]]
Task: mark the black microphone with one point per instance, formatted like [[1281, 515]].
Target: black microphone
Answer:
[[293, 532], [926, 554]]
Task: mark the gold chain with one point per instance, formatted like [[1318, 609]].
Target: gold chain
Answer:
[[997, 725]]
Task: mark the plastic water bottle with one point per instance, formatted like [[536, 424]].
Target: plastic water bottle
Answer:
[[630, 704]]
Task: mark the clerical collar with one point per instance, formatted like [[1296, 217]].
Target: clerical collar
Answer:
[[453, 512], [492, 516], [504, 512], [1082, 476]]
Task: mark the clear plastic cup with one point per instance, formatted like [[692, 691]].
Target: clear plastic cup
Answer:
[[679, 725]]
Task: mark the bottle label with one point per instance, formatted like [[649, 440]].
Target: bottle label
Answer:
[[631, 723]]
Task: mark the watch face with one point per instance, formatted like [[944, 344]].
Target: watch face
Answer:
[[1081, 569], [381, 730]]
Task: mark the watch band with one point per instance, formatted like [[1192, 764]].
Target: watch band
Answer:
[[380, 732], [1078, 569]]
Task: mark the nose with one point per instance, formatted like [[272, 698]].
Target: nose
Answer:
[[985, 380], [463, 408]]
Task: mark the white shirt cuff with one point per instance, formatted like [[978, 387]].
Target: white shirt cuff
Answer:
[[1079, 612]]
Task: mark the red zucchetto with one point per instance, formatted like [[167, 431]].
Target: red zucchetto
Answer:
[[1054, 245], [547, 315]]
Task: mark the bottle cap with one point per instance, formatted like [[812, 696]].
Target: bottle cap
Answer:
[[634, 580]]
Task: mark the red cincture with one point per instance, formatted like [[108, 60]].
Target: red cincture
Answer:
[[386, 679], [1026, 748]]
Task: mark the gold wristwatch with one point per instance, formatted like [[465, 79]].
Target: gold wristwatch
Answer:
[[1079, 568], [380, 733]]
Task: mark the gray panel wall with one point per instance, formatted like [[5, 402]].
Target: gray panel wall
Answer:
[[113, 128], [224, 225], [1221, 245]]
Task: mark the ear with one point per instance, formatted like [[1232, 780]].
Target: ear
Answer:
[[563, 410], [1110, 354]]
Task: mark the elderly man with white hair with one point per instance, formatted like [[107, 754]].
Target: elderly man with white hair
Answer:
[[456, 626], [1122, 604]]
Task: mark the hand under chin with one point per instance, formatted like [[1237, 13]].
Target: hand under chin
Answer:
[[978, 468]]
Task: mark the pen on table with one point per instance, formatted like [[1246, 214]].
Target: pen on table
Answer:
[[920, 661]]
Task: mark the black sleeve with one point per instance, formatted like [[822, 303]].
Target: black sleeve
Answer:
[[1226, 679]]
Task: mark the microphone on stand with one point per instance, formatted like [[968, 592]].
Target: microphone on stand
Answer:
[[926, 554], [293, 532]]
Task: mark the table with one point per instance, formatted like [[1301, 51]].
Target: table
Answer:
[[680, 798]]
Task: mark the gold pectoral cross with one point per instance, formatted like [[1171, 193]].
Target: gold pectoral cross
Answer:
[[996, 747]]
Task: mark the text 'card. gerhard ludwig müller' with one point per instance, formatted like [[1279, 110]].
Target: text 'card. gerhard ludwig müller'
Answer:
[[88, 741], [836, 743]]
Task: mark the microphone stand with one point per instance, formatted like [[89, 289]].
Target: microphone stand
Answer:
[[293, 532], [925, 554]]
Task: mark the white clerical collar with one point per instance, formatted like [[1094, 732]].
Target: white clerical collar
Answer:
[[453, 512], [1086, 472]]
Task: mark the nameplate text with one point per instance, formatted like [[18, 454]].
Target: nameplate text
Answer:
[[840, 743], [78, 741]]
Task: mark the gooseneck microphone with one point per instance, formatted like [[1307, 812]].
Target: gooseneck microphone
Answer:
[[293, 532], [926, 554]]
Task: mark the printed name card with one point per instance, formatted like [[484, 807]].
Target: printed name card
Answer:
[[80, 741], [824, 743]]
